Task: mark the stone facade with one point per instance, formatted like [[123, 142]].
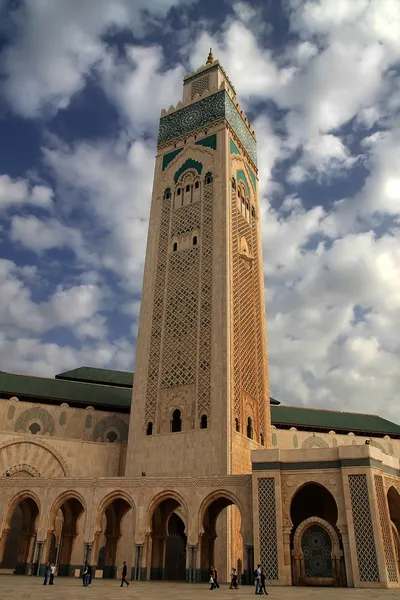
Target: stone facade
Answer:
[[196, 476]]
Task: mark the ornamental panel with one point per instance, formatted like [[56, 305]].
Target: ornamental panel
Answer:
[[385, 527], [317, 549], [267, 527], [363, 531], [204, 112]]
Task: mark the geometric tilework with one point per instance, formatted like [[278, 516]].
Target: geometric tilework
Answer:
[[110, 423], [188, 164], [157, 317], [385, 527], [267, 527], [204, 112], [39, 414], [167, 158], [204, 383], [363, 531], [240, 176]]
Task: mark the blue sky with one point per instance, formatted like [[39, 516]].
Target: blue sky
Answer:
[[82, 84]]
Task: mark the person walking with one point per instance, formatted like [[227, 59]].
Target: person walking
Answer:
[[263, 589], [52, 573], [124, 572], [215, 577], [234, 580], [257, 579], [211, 580], [85, 574], [46, 573]]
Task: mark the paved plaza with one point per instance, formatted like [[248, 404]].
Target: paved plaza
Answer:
[[31, 588]]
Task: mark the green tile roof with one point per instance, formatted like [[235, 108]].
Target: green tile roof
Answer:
[[93, 375], [331, 419], [89, 394], [112, 390]]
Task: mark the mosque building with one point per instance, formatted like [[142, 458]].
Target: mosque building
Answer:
[[191, 463]]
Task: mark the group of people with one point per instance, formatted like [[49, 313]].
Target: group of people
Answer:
[[259, 581], [49, 573]]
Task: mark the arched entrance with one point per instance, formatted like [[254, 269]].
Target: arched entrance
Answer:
[[221, 541], [316, 549], [65, 542], [110, 533], [168, 540], [393, 498], [21, 536]]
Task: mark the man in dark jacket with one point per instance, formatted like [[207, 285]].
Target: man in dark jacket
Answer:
[[124, 572]]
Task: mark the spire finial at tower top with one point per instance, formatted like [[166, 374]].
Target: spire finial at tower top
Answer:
[[210, 59]]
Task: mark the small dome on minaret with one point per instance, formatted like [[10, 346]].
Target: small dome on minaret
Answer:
[[210, 59]]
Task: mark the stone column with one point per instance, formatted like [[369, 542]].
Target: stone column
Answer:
[[137, 574], [88, 551], [248, 573], [40, 570], [287, 559], [191, 578]]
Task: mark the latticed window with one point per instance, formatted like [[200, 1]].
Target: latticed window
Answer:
[[149, 430], [199, 86]]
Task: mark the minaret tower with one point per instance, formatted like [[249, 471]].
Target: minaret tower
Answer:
[[201, 396]]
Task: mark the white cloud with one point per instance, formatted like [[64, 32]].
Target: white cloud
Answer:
[[115, 178], [56, 45], [17, 192]]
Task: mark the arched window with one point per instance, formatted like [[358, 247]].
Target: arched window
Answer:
[[188, 188], [195, 240], [203, 422], [261, 439], [112, 437], [250, 428], [208, 178], [237, 424], [197, 185], [168, 194], [149, 430], [34, 428], [175, 246], [178, 191], [176, 421]]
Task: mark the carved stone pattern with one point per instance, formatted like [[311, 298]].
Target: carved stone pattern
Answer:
[[99, 433], [88, 421], [22, 470], [378, 445], [158, 308], [260, 331], [236, 314], [314, 441], [199, 86], [11, 412], [267, 527], [30, 451], [63, 418], [385, 527], [39, 414], [290, 484], [363, 531], [247, 324], [179, 347], [204, 365], [295, 441], [204, 112]]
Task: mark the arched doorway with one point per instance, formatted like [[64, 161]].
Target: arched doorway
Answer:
[[109, 535], [168, 540], [221, 542], [65, 542], [21, 537], [316, 548], [393, 498]]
